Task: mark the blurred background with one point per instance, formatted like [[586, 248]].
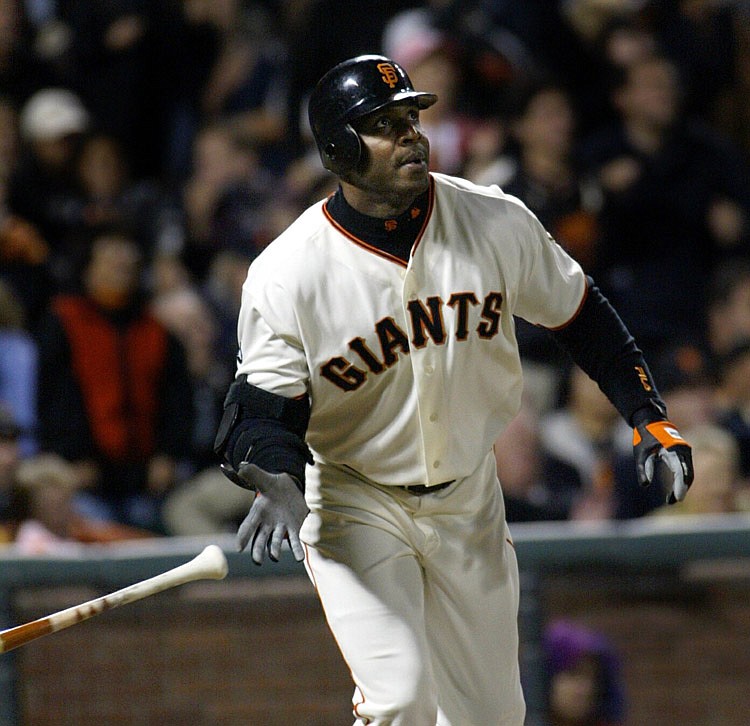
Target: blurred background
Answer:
[[150, 149]]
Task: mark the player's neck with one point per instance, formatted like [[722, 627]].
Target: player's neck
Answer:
[[378, 205]]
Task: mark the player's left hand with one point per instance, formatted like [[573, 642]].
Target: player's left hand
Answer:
[[277, 512], [662, 439]]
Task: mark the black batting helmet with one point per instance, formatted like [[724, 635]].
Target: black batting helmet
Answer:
[[348, 91]]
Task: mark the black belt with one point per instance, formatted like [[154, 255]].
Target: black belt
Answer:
[[420, 489]]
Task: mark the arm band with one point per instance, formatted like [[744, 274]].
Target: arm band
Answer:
[[598, 341]]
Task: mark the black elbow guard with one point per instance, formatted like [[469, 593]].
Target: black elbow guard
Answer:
[[243, 400], [271, 447], [265, 429]]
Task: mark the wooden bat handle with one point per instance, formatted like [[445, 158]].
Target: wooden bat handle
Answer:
[[210, 564]]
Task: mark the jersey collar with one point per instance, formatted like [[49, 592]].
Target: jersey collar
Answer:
[[394, 237]]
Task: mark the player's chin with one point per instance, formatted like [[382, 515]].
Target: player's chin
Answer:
[[415, 175]]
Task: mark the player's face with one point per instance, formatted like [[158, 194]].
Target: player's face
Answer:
[[395, 161]]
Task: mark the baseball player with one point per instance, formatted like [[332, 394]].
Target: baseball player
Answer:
[[377, 366]]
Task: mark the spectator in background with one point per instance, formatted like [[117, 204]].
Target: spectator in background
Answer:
[[9, 137], [21, 70], [586, 456], [585, 43], [222, 289], [728, 306], [48, 40], [527, 492], [46, 487], [434, 61], [542, 172], [194, 32], [704, 39], [604, 50], [188, 316], [43, 187], [496, 43], [734, 399], [113, 73], [18, 369], [248, 85], [585, 683], [110, 196], [24, 254], [321, 33], [716, 460], [10, 458], [222, 199], [687, 385], [206, 503], [624, 39], [114, 392], [158, 54], [676, 201], [544, 175]]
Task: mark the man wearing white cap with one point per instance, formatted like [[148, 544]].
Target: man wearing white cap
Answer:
[[42, 187], [52, 114]]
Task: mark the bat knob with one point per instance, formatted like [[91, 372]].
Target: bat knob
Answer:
[[211, 563]]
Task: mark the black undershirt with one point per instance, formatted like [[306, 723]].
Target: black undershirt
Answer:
[[394, 235]]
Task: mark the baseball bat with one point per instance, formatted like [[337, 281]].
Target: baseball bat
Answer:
[[210, 564]]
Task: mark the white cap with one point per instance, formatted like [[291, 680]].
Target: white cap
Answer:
[[51, 114], [410, 37]]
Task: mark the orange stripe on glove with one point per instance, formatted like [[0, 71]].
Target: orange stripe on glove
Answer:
[[661, 440]]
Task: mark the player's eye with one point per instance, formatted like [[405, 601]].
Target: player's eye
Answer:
[[375, 125]]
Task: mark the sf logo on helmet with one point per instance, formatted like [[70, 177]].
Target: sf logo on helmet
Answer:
[[388, 73]]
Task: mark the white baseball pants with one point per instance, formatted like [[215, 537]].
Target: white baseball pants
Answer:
[[421, 594]]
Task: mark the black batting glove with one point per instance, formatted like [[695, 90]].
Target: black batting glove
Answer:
[[662, 440]]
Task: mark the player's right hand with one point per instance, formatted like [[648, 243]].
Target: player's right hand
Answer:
[[277, 512]]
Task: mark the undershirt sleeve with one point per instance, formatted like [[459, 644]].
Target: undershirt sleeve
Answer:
[[599, 342]]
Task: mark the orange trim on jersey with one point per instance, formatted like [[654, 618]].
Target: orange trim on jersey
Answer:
[[577, 312], [376, 250], [430, 207]]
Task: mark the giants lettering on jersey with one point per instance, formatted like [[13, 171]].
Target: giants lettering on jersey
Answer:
[[427, 323]]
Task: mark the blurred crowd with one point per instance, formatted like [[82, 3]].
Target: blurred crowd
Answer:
[[150, 149]]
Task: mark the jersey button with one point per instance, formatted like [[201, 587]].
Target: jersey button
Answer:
[[429, 370], [436, 464], [433, 417]]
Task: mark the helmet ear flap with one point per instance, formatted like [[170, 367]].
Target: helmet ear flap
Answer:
[[342, 151]]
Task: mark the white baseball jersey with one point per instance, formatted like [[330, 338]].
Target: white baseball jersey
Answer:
[[412, 369]]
